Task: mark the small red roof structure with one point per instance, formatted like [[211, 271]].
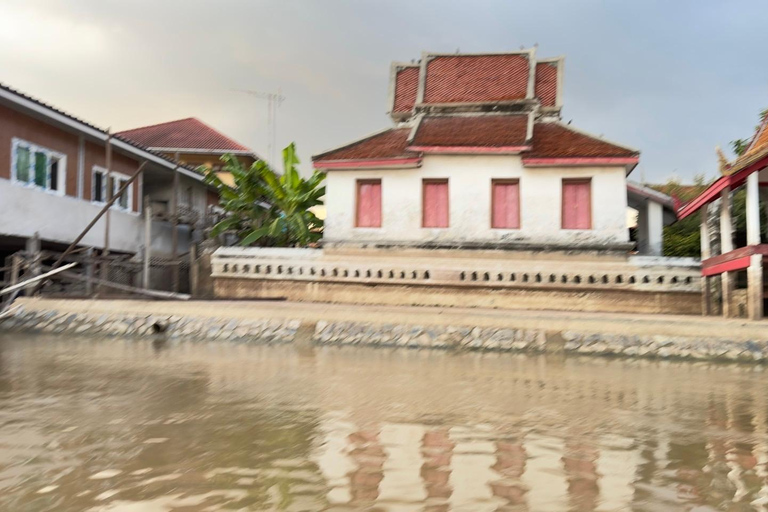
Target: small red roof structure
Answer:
[[183, 135], [754, 159]]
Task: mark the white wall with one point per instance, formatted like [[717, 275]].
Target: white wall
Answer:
[[470, 203], [24, 211]]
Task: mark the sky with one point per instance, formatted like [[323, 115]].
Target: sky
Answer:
[[673, 79]]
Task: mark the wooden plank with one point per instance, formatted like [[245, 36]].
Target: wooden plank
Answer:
[[728, 266], [735, 254], [35, 279], [158, 294]]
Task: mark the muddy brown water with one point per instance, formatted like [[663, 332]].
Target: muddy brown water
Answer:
[[118, 425]]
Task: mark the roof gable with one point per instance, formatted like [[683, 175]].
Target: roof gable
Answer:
[[190, 133]]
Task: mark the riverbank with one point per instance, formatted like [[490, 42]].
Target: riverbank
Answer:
[[657, 336]]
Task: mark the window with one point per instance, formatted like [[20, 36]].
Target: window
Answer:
[[116, 181], [368, 204], [505, 204], [435, 212], [577, 204], [38, 167]]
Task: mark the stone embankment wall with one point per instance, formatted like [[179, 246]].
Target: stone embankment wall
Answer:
[[459, 338]]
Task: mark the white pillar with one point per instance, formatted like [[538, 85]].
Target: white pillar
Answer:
[[655, 220], [726, 224], [706, 252], [753, 209], [726, 245], [755, 270]]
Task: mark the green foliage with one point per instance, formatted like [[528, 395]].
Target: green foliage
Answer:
[[266, 209], [739, 146], [683, 238]]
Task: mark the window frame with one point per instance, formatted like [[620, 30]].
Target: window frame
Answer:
[[424, 183], [587, 181], [117, 178], [369, 181], [61, 178], [507, 181]]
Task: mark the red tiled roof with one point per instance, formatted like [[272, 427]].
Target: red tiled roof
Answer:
[[554, 140], [546, 83], [190, 133], [406, 87], [476, 131], [388, 144], [476, 78]]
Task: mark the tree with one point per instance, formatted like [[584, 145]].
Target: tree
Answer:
[[268, 210], [739, 146], [683, 238]]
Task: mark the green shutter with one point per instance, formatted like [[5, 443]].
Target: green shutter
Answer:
[[41, 169], [22, 164], [123, 196]]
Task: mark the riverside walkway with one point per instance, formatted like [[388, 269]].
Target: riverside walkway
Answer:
[[607, 323]]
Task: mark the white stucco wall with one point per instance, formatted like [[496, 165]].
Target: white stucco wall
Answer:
[[470, 203], [25, 211]]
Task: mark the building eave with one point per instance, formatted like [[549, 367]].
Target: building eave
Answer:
[[580, 161], [378, 163], [470, 150]]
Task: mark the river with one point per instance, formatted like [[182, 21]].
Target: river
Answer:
[[127, 426]]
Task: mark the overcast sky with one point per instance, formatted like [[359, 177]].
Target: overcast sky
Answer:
[[671, 78]]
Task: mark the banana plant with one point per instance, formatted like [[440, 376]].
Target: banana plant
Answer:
[[267, 209]]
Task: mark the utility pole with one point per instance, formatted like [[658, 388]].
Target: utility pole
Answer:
[[274, 99]]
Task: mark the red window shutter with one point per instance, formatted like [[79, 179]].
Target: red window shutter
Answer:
[[577, 204], [435, 208], [505, 205], [369, 204]]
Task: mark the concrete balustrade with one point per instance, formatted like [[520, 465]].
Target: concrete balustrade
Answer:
[[260, 269]]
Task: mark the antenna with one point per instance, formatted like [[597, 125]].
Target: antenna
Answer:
[[274, 99]]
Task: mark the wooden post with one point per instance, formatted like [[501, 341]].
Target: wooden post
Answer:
[[15, 269], [193, 269], [33, 255], [147, 242], [90, 258], [726, 246], [706, 252], [175, 232], [755, 287], [104, 271]]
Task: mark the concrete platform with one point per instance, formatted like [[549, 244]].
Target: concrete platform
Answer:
[[551, 321]]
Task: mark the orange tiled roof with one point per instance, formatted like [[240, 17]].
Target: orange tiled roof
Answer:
[[190, 133], [387, 144], [476, 78], [477, 131], [406, 88], [546, 83], [554, 140]]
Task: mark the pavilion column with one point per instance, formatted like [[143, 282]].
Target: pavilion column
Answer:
[[655, 219], [706, 253], [755, 270], [726, 246]]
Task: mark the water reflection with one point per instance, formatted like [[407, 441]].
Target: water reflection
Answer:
[[119, 426]]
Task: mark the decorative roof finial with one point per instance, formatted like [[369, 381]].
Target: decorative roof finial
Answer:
[[724, 165]]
